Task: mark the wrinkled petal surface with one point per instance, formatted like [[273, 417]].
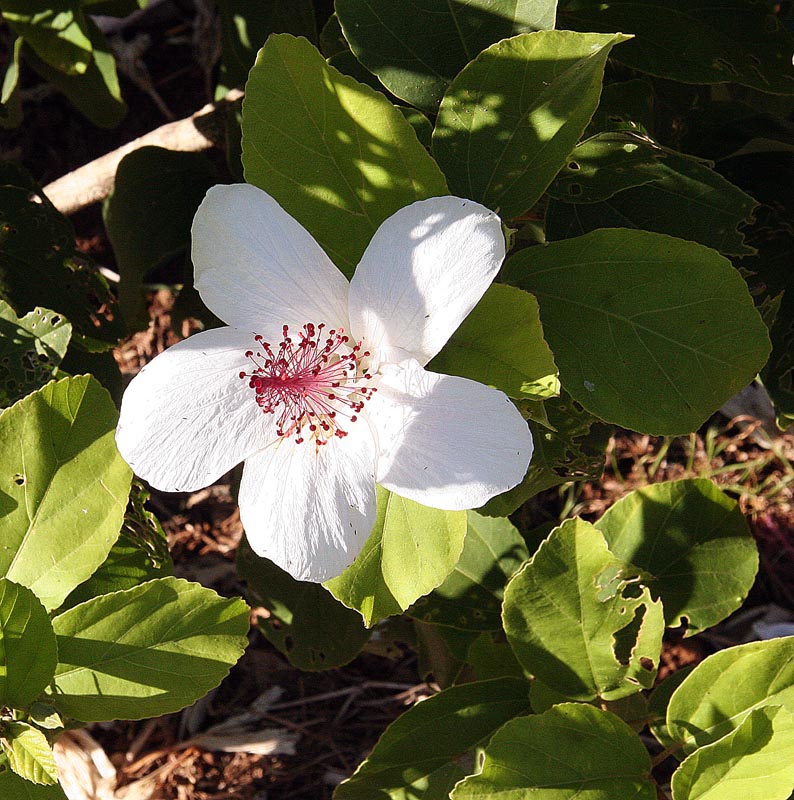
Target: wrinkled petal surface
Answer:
[[311, 509], [187, 417], [425, 269], [444, 441], [256, 267]]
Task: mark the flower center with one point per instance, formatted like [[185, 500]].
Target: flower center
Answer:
[[314, 384]]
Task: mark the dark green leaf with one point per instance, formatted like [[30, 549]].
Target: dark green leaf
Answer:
[[15, 788], [663, 191], [425, 740], [509, 120], [625, 106], [149, 214], [416, 47], [649, 332], [357, 160], [245, 27], [306, 622], [38, 266], [695, 41]]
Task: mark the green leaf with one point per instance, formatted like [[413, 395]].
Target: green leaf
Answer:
[[44, 715], [658, 701], [579, 619], [509, 120], [306, 622], [490, 658], [649, 332], [501, 344], [736, 41], [15, 788], [416, 48], [415, 752], [146, 651], [625, 106], [28, 652], [694, 541], [56, 29], [410, 552], [442, 652], [471, 596], [139, 554], [29, 753], [10, 98], [96, 92], [722, 691], [31, 348], [357, 161], [38, 266], [754, 762], [244, 28], [149, 213], [570, 751], [63, 487], [651, 188]]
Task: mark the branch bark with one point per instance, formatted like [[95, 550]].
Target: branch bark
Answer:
[[93, 182]]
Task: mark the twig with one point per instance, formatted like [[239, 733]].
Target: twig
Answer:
[[93, 182]]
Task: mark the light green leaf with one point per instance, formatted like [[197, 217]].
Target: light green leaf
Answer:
[[45, 715], [411, 550], [31, 348], [509, 120], [416, 48], [415, 752], [15, 788], [146, 651], [63, 487], [721, 692], [56, 29], [649, 332], [356, 161], [651, 188], [28, 653], [306, 623], [754, 762], [579, 619], [570, 751], [693, 540], [148, 216], [95, 92], [139, 554], [29, 753], [501, 344], [471, 596], [737, 41]]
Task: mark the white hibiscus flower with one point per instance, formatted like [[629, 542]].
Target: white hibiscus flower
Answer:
[[319, 384]]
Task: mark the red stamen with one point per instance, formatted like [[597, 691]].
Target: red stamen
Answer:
[[308, 383]]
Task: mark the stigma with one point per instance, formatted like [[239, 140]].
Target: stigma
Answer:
[[315, 383]]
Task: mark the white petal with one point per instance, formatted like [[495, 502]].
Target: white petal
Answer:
[[256, 267], [425, 269], [187, 417], [446, 442], [311, 509]]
